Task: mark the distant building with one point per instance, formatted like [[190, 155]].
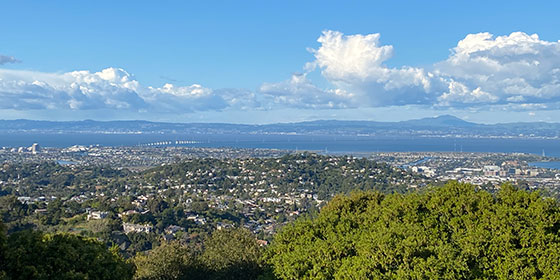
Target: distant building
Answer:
[[126, 213], [221, 225], [77, 149], [491, 170], [128, 228], [24, 199], [172, 229], [425, 170], [35, 148], [97, 215], [198, 220]]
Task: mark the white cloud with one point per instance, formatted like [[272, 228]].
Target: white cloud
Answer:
[[354, 66], [516, 68], [299, 92], [482, 70], [459, 94], [355, 63], [4, 59], [518, 72], [184, 99], [351, 57], [110, 88], [194, 90]]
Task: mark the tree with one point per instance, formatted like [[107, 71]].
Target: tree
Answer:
[[157, 205], [232, 254], [2, 250], [452, 232], [34, 255], [169, 261], [199, 206], [55, 212], [13, 213]]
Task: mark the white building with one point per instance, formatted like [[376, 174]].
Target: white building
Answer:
[[97, 215], [128, 228]]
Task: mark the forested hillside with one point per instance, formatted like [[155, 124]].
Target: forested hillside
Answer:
[[185, 200], [452, 232]]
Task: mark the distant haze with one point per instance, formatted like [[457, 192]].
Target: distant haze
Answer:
[[438, 126]]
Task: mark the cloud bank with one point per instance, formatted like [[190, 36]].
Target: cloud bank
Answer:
[[511, 72], [517, 69], [110, 88]]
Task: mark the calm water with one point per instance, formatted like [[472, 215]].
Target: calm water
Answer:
[[331, 144], [548, 164], [65, 162]]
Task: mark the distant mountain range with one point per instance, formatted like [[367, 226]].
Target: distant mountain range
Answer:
[[438, 126]]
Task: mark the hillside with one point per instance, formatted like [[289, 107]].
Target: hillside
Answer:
[[442, 125]]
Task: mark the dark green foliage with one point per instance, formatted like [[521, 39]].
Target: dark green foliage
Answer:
[[2, 251], [141, 241], [34, 255], [322, 174], [13, 213], [232, 254], [226, 254], [171, 261], [157, 205], [453, 232], [50, 178]]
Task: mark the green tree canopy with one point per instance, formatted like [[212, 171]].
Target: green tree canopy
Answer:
[[226, 254], [452, 232], [34, 255], [232, 254], [2, 250], [169, 261]]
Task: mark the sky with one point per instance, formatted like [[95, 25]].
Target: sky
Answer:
[[280, 61]]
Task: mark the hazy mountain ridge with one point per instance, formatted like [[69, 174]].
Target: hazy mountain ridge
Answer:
[[442, 125]]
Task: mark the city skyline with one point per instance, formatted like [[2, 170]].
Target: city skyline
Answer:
[[282, 62]]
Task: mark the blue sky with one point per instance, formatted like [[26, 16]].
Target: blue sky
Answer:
[[259, 61]]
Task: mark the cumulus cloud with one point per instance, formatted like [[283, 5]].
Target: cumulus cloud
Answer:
[[355, 63], [187, 98], [350, 57], [111, 88], [460, 94], [4, 59], [359, 59], [518, 72], [299, 92], [516, 69], [354, 66]]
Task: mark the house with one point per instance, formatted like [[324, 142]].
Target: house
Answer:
[[172, 229], [128, 228], [126, 213], [198, 220], [221, 225], [97, 215]]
